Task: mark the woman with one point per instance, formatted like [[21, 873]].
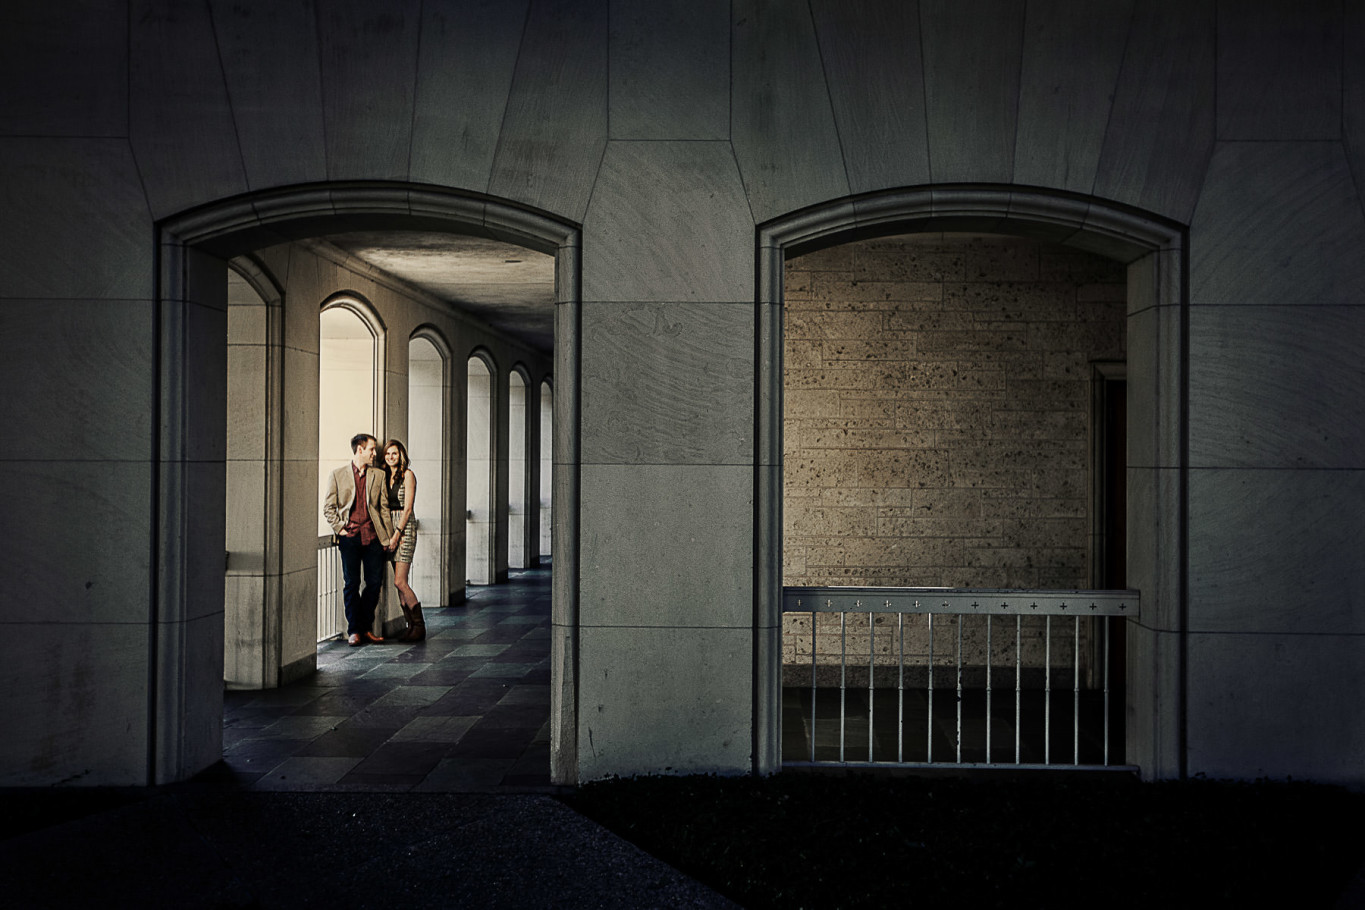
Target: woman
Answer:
[[402, 489]]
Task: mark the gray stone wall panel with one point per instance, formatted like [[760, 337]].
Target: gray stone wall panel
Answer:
[[84, 688], [369, 68], [1161, 128], [555, 128], [1291, 539], [668, 221], [65, 69], [1278, 223], [76, 223], [1279, 69], [81, 582], [263, 46], [875, 72], [670, 70], [1267, 387], [667, 384], [1071, 60], [1276, 706], [680, 705], [782, 125], [694, 513], [466, 61], [972, 59], [181, 123], [99, 355]]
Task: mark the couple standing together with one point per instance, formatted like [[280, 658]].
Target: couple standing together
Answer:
[[370, 511]]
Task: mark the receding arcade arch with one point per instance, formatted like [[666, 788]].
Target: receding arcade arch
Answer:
[[480, 477], [1153, 250], [428, 405], [545, 493], [518, 470], [350, 381], [184, 728]]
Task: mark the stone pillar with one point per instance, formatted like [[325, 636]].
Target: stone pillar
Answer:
[[666, 631], [254, 587]]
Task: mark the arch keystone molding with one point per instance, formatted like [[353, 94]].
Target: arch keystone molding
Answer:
[[186, 679], [1155, 252]]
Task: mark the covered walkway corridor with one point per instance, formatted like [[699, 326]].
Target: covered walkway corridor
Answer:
[[465, 711]]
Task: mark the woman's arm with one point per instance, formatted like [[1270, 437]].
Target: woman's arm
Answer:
[[409, 494]]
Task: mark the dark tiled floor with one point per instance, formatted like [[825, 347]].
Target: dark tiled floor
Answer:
[[467, 710]]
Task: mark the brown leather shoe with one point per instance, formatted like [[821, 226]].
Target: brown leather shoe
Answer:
[[371, 638], [354, 640]]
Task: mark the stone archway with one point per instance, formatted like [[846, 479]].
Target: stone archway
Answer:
[[186, 676], [1154, 251]]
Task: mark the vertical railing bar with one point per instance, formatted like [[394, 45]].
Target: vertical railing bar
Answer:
[[813, 633], [1106, 621], [959, 688], [1047, 691], [900, 691], [843, 678], [871, 675], [1018, 661], [929, 734], [988, 688], [1076, 691]]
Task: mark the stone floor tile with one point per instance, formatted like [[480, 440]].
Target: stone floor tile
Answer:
[[435, 729], [303, 726], [306, 774]]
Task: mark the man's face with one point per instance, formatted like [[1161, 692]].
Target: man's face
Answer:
[[365, 454]]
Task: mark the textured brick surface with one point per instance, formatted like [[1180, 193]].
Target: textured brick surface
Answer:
[[937, 421]]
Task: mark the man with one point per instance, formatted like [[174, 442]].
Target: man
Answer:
[[356, 506]]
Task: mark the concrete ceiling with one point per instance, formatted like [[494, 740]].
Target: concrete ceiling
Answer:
[[507, 286]]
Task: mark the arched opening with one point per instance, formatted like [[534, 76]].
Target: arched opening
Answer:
[[938, 433], [480, 515], [348, 397], [546, 496], [1150, 250], [186, 682], [517, 476], [426, 445]]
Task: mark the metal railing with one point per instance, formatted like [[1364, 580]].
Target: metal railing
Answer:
[[331, 609], [1037, 708]]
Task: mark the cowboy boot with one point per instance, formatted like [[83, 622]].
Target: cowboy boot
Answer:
[[417, 631], [407, 618]]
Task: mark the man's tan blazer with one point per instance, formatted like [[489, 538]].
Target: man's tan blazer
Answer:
[[340, 498]]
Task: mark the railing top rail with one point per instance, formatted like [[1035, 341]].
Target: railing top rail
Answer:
[[982, 601], [325, 541]]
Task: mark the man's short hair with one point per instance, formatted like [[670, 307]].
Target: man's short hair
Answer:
[[359, 440]]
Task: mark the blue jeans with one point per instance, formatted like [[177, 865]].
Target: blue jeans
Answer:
[[355, 558]]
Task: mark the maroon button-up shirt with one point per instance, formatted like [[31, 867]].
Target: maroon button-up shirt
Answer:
[[359, 524]]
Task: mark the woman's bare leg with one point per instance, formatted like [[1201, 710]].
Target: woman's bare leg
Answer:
[[406, 596]]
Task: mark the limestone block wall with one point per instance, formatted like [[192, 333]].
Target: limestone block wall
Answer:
[[937, 426]]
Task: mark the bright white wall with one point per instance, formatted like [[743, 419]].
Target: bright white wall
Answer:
[[546, 467], [516, 471], [479, 521], [346, 391], [426, 448]]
